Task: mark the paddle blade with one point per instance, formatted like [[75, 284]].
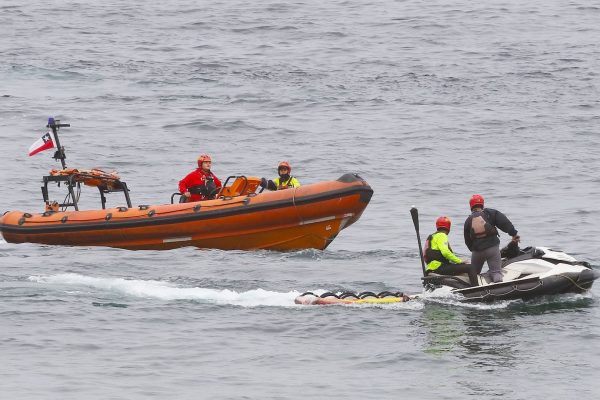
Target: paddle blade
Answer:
[[415, 217]]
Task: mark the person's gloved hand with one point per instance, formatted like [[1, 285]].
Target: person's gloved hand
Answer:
[[263, 182]]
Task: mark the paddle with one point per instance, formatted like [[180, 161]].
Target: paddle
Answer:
[[415, 217]]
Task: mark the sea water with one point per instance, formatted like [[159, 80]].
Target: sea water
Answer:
[[429, 101]]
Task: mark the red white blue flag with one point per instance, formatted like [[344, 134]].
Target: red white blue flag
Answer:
[[44, 143]]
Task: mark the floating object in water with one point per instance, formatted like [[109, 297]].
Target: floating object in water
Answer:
[[309, 298]]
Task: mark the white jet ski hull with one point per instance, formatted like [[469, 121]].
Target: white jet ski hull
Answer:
[[535, 272]]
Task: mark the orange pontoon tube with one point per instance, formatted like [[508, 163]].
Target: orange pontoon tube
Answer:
[[310, 216]]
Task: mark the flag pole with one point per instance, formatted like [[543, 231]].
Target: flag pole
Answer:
[[55, 125]]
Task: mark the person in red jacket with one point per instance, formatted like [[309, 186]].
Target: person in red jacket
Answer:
[[200, 184]]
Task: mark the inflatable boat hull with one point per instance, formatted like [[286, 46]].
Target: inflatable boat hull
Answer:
[[310, 216]]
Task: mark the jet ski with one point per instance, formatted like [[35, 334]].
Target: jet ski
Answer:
[[527, 273]]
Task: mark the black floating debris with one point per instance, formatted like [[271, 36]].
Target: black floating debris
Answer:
[[116, 305]]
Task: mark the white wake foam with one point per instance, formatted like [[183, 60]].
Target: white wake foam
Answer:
[[444, 295], [167, 291]]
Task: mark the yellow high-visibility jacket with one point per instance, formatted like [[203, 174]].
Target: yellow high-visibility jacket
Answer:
[[290, 183], [439, 243]]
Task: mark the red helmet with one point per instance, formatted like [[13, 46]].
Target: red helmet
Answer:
[[443, 223], [202, 158], [476, 200], [284, 164]]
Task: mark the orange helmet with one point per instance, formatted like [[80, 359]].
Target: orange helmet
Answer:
[[443, 223], [476, 200], [284, 164], [202, 158]]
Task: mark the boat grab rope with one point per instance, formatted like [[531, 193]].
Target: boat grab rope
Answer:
[[193, 208], [488, 293], [573, 282]]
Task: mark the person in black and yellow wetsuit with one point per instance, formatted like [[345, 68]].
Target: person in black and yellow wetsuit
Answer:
[[439, 256], [283, 181]]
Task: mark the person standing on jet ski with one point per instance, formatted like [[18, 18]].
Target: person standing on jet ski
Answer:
[[439, 256], [201, 183], [482, 239]]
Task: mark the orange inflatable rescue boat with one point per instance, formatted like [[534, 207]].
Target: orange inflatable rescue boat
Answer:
[[241, 217]]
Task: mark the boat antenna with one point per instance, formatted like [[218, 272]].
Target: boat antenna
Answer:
[[55, 125], [415, 217]]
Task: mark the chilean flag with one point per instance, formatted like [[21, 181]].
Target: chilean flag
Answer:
[[44, 143]]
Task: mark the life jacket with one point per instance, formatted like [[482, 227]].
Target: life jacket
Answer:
[[481, 227], [203, 185], [211, 187], [281, 184], [431, 254]]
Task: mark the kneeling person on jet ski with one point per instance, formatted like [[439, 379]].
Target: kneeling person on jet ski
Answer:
[[481, 236], [439, 256]]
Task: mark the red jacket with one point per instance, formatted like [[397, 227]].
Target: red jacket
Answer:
[[195, 178]]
